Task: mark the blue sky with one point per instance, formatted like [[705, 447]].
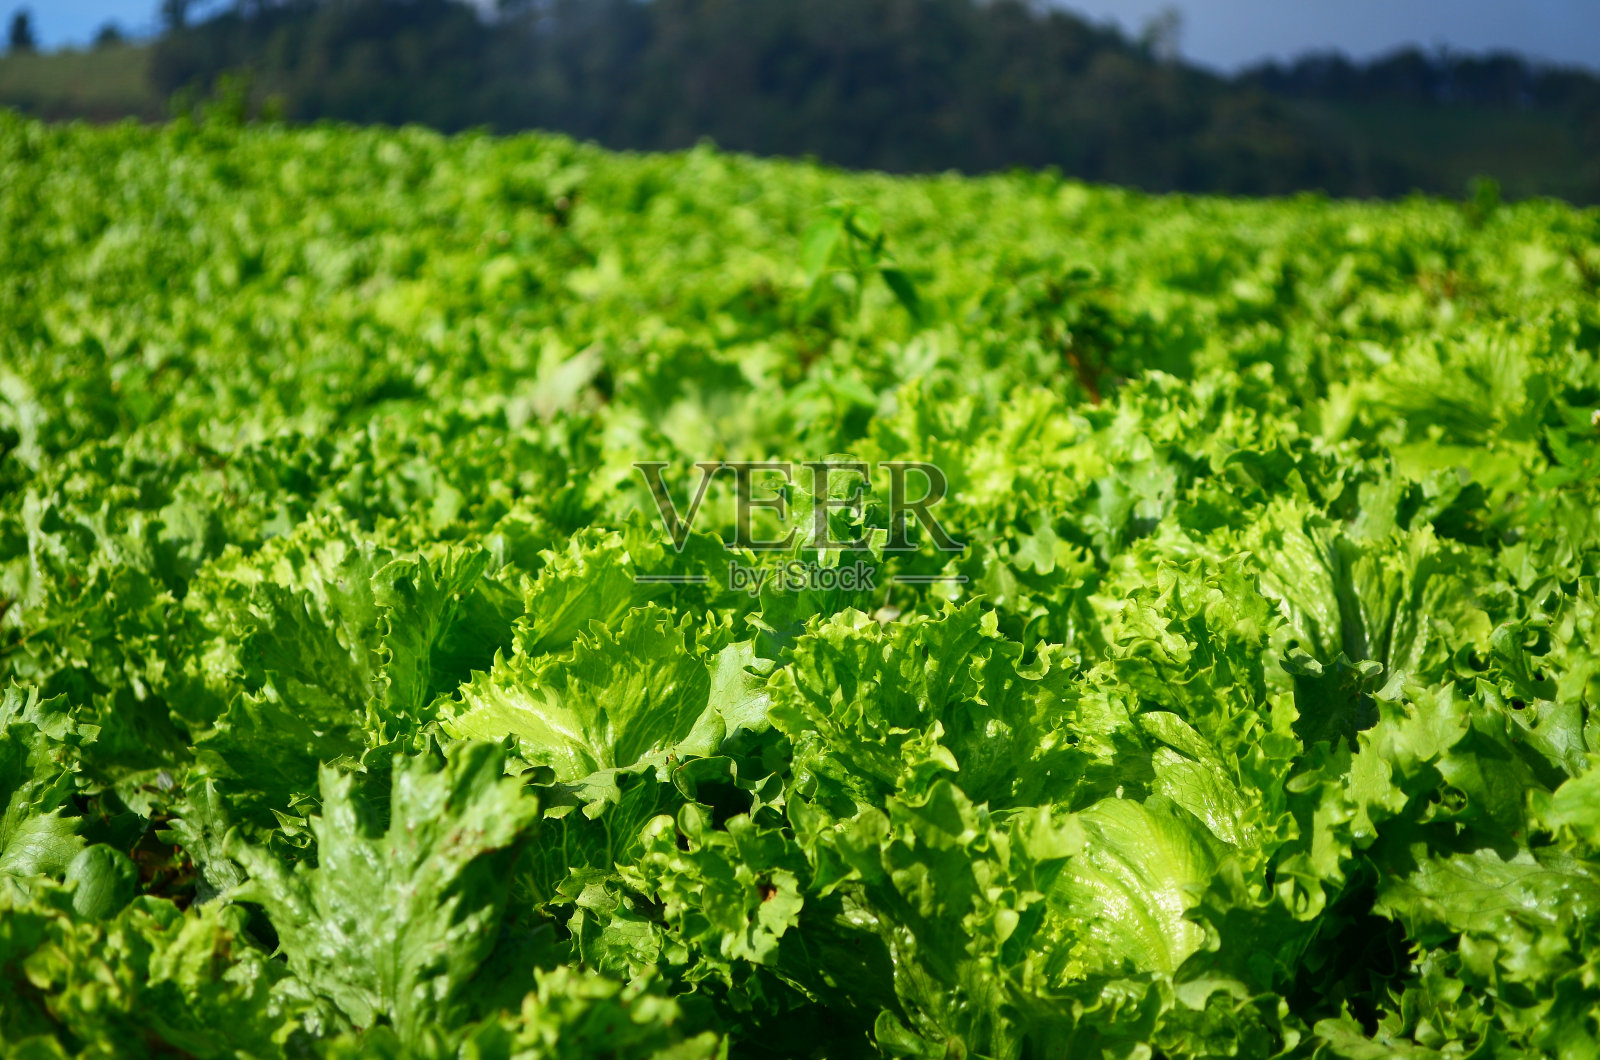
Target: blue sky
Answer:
[[1220, 33], [1231, 33], [58, 22]]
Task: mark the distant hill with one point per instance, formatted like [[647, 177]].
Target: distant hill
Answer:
[[901, 85], [102, 84]]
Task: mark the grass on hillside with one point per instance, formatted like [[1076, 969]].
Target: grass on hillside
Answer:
[[102, 84]]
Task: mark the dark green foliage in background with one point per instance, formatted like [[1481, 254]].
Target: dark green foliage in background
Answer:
[[899, 85]]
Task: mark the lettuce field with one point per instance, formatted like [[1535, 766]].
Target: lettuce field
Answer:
[[374, 686]]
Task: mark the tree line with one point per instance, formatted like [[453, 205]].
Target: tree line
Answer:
[[900, 85], [1499, 79]]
